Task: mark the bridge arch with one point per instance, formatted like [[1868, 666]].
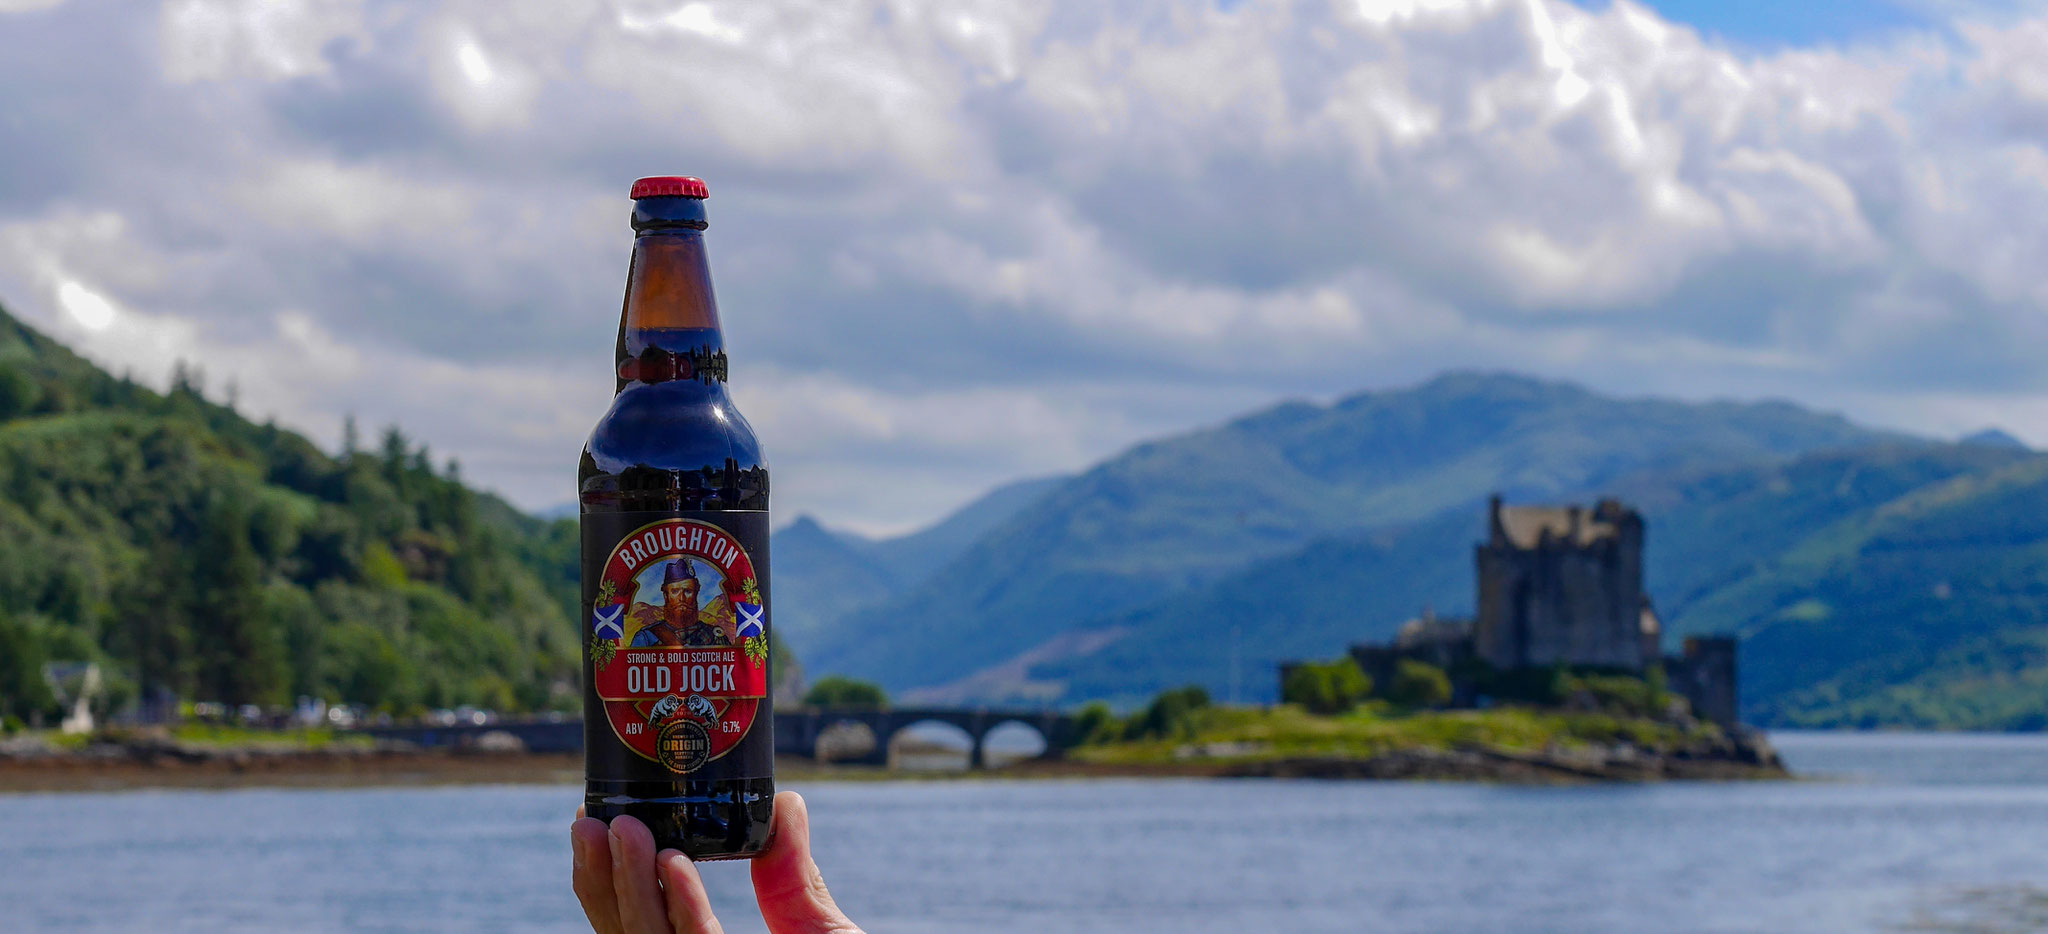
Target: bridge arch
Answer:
[[937, 742], [847, 739], [1014, 739], [798, 730]]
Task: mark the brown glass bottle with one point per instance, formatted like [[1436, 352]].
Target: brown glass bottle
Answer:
[[678, 724]]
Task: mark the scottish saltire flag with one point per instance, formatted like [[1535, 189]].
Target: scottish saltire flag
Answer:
[[609, 621], [750, 619]]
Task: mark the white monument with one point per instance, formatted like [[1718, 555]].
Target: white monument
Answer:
[[75, 684]]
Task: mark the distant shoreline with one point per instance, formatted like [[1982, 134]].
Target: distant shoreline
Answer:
[[105, 769], [89, 772]]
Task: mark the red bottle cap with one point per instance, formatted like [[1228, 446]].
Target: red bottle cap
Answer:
[[670, 186]]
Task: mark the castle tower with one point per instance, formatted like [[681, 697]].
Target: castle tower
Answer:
[[1705, 676], [1561, 585]]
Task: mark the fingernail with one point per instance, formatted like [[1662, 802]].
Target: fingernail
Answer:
[[576, 850], [618, 854]]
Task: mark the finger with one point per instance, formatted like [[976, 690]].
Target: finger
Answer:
[[579, 812], [787, 883], [638, 896], [592, 847], [689, 906]]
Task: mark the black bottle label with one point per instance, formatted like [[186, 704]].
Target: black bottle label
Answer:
[[676, 653]]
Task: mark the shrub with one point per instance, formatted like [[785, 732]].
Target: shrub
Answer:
[[1419, 684], [838, 691], [1326, 687], [1096, 723], [19, 392], [1660, 689], [23, 650], [1622, 695], [1169, 714]]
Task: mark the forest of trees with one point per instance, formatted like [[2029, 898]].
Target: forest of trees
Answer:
[[196, 555]]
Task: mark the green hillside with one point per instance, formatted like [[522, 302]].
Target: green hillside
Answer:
[[1896, 585], [1230, 635], [824, 575], [1875, 580], [1927, 608], [1197, 509], [197, 555], [820, 576], [918, 555]]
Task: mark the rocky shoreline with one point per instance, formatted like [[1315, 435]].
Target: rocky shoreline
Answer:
[[130, 764]]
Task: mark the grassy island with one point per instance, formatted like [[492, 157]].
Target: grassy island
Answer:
[[1599, 728]]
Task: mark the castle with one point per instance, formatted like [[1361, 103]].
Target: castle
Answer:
[[1561, 585]]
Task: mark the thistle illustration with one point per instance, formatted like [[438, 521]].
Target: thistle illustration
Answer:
[[601, 651]]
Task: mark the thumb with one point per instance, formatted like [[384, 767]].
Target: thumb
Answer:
[[787, 883]]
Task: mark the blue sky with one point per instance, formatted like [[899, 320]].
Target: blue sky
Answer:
[[1761, 23], [963, 243], [1761, 26]]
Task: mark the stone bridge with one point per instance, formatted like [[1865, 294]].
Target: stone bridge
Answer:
[[796, 730], [557, 736]]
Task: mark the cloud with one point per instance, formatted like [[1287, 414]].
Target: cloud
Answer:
[[962, 243], [274, 39]]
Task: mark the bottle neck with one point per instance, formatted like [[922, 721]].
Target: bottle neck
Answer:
[[668, 328]]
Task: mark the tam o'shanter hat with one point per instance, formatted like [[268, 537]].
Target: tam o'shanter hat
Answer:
[[678, 570]]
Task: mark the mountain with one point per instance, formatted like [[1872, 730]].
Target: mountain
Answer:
[[1897, 584], [1230, 634], [822, 575], [1880, 585], [1913, 593], [568, 510], [913, 557], [197, 555], [1174, 516], [1993, 437]]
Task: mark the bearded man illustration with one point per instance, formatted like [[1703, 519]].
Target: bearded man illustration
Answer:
[[678, 620]]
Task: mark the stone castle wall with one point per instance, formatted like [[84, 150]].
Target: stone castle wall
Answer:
[[1562, 586], [1705, 676]]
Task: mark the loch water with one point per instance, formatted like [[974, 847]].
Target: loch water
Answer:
[[1887, 832]]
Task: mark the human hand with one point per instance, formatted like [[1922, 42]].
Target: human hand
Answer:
[[627, 888]]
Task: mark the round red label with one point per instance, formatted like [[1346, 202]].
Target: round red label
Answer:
[[679, 643]]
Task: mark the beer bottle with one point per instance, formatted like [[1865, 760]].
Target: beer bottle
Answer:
[[678, 729]]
